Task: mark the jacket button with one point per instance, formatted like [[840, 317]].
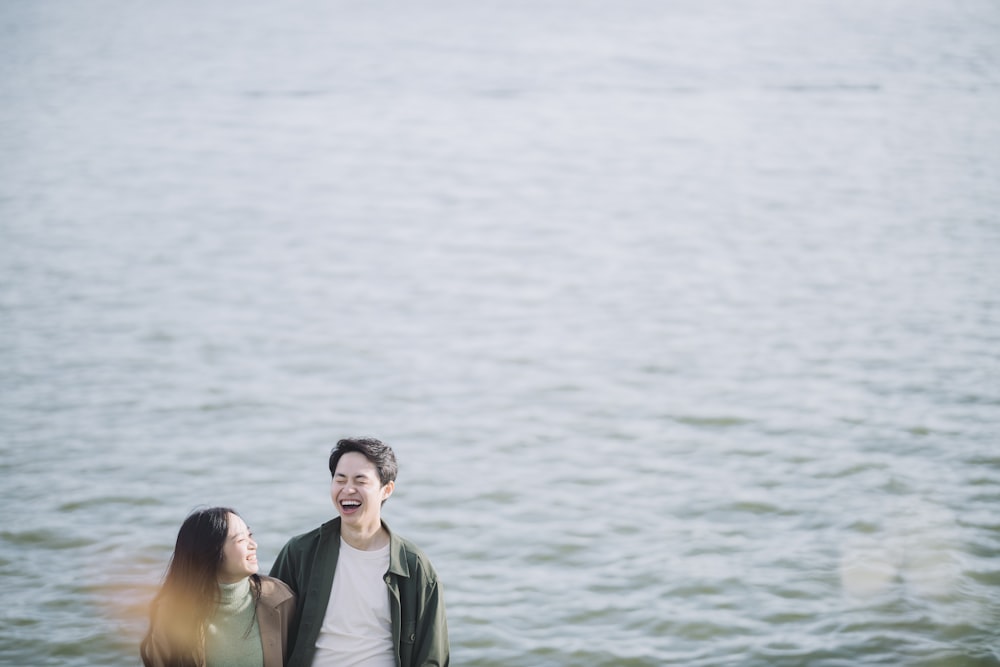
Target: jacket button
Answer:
[[413, 637]]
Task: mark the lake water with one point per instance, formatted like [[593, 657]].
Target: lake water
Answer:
[[683, 317]]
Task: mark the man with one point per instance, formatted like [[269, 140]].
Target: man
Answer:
[[366, 596]]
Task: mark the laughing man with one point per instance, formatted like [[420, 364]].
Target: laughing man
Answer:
[[366, 596]]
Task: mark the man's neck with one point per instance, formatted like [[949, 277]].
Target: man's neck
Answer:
[[365, 538]]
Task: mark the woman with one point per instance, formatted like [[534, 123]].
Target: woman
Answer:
[[213, 609]]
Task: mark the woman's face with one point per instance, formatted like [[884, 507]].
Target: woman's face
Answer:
[[239, 554]]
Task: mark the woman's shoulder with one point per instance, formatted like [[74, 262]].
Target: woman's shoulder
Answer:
[[274, 590]]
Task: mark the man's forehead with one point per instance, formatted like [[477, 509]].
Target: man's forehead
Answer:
[[355, 465]]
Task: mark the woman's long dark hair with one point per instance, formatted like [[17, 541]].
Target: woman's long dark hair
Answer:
[[190, 590]]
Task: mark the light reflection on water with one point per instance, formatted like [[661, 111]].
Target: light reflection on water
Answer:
[[682, 319]]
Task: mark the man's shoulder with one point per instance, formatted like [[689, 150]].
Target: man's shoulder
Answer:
[[416, 559], [311, 538], [411, 547]]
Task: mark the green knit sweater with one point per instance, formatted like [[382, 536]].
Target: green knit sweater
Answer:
[[232, 638]]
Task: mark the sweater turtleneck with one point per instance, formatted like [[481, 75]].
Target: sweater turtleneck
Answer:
[[233, 637], [234, 598]]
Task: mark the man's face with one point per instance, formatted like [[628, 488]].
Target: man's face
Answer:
[[357, 491]]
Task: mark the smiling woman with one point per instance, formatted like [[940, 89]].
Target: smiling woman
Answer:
[[213, 609]]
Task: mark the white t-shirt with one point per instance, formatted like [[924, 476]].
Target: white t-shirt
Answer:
[[357, 628]]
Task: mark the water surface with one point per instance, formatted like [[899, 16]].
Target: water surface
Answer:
[[682, 317]]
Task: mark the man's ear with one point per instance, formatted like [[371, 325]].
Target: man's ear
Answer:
[[387, 490]]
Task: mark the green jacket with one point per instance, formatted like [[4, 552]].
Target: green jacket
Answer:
[[419, 628]]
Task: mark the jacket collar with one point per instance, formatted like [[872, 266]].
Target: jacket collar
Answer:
[[397, 551], [272, 594]]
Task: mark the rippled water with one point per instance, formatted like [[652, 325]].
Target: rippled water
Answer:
[[683, 317]]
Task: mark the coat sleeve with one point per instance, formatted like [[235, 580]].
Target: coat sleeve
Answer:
[[288, 619], [275, 611], [160, 647], [286, 568], [431, 647]]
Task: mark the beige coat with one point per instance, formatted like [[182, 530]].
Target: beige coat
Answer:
[[275, 612]]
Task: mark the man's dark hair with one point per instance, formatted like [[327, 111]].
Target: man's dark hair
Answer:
[[372, 449]]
